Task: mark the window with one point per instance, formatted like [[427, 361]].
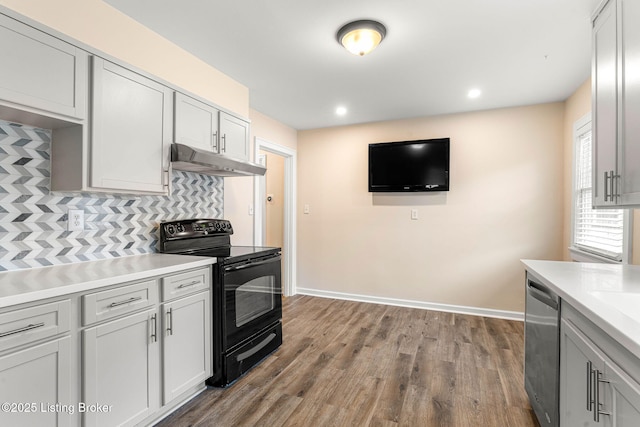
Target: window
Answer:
[[597, 234]]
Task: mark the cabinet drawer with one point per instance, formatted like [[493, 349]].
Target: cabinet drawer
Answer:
[[115, 302], [185, 283], [30, 324]]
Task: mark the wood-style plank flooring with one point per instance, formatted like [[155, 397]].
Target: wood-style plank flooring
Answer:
[[346, 363]]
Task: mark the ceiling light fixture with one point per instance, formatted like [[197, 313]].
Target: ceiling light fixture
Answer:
[[361, 37], [341, 111]]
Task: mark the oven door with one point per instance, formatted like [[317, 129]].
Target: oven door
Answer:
[[252, 299]]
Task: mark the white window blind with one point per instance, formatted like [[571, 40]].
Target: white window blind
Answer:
[[599, 231]]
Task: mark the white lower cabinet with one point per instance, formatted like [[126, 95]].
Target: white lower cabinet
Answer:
[[35, 376], [186, 344], [145, 355], [594, 390], [35, 385], [121, 367]]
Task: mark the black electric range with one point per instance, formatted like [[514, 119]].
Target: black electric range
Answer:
[[246, 293]]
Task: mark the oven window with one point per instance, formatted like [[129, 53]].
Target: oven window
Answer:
[[255, 298]]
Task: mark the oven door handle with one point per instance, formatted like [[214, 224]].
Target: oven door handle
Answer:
[[252, 264], [257, 348]]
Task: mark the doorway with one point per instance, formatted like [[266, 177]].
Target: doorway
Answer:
[[283, 161]]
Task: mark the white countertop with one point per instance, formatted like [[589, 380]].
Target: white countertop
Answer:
[[607, 294], [22, 286]]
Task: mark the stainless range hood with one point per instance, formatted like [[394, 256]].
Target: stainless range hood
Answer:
[[191, 159]]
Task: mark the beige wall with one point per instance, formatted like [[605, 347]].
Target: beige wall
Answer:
[[505, 204], [102, 27], [238, 191]]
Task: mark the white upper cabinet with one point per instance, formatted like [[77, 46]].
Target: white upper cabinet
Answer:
[[203, 126], [130, 130], [234, 136], [41, 73], [196, 123], [616, 102], [605, 105], [629, 98]]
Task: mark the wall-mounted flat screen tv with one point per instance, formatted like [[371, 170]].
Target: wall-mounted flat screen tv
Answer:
[[421, 165]]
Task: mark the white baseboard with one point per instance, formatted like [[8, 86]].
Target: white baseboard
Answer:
[[460, 309]]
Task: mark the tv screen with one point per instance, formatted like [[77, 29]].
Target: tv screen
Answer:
[[421, 165]]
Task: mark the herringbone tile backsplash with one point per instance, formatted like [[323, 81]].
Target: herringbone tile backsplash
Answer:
[[33, 220]]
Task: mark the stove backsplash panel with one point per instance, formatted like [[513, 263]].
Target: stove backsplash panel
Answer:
[[33, 220]]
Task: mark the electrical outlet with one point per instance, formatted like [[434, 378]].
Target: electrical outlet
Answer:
[[414, 214], [75, 220]]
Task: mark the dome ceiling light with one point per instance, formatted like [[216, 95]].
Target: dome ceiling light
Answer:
[[361, 37]]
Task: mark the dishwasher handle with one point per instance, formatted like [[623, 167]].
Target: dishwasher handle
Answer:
[[542, 294]]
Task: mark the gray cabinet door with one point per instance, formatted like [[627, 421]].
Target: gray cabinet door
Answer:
[[605, 106], [40, 376], [196, 123], [121, 366], [234, 136], [187, 344], [629, 150], [41, 72], [130, 131], [578, 358]]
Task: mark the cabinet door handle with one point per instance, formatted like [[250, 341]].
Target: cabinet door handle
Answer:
[[597, 412], [589, 395], [215, 141], [612, 192], [154, 326], [127, 301], [170, 321], [186, 285], [23, 329], [224, 142], [606, 186]]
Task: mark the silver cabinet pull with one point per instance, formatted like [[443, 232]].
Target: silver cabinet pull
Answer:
[[597, 412], [23, 329], [606, 186], [215, 141], [119, 303], [589, 395], [186, 285], [154, 328], [612, 180], [224, 143], [170, 321]]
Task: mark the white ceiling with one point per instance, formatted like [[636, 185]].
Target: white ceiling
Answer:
[[518, 52]]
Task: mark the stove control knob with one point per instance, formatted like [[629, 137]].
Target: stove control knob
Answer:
[[180, 228], [218, 226], [170, 229]]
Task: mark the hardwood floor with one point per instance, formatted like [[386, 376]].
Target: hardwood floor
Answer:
[[356, 364]]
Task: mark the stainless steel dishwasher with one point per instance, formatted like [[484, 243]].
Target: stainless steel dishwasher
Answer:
[[542, 351]]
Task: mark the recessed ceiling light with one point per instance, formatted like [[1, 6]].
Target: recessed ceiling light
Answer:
[[474, 93], [341, 111]]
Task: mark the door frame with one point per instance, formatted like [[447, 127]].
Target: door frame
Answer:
[[259, 218]]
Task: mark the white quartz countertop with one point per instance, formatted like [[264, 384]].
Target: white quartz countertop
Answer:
[[607, 294], [22, 286]]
